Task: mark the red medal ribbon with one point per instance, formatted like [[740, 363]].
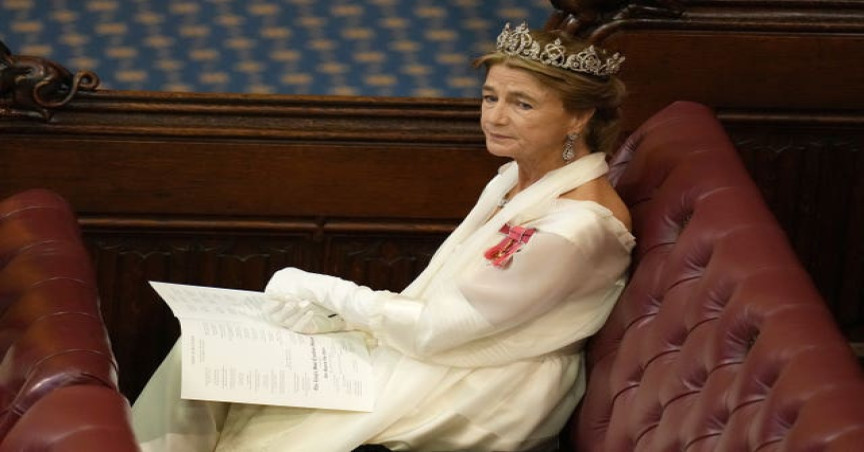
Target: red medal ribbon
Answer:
[[516, 236]]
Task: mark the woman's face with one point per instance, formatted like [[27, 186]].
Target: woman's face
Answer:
[[522, 118]]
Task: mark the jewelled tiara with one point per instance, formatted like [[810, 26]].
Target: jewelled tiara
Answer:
[[518, 42]]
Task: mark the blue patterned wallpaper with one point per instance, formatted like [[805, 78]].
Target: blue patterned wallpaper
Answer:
[[419, 48]]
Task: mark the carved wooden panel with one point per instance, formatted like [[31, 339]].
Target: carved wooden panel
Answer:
[[811, 178], [32, 87], [388, 262]]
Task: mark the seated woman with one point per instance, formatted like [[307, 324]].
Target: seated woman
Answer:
[[482, 352]]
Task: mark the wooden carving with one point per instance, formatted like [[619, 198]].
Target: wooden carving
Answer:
[[33, 86], [583, 18], [596, 20]]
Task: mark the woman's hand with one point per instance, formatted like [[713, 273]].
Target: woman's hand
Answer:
[[293, 284], [302, 316], [325, 295]]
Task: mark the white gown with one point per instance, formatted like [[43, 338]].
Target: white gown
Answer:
[[470, 356]]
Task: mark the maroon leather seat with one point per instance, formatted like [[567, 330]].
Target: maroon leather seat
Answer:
[[58, 375], [74, 418], [720, 342]]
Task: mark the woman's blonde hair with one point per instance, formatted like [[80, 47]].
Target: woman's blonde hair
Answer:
[[579, 92]]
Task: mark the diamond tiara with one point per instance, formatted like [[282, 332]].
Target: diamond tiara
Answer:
[[519, 42]]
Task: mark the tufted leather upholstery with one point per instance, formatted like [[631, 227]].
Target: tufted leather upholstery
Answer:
[[58, 376], [720, 342]]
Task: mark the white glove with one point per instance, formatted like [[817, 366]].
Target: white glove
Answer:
[[355, 304], [303, 316]]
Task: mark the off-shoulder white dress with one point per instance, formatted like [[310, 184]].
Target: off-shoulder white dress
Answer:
[[471, 356]]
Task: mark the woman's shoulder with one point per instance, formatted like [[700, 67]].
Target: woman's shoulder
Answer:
[[585, 218], [601, 192]]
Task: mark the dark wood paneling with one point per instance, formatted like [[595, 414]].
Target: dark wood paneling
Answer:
[[811, 178], [261, 155], [252, 179], [780, 73]]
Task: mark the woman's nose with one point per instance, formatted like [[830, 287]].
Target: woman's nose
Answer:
[[495, 114]]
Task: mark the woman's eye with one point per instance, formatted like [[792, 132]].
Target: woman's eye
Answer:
[[489, 98], [524, 106]]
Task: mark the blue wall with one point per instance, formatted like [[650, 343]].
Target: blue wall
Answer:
[[417, 48]]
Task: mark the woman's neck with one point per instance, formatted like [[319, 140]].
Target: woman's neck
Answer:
[[531, 171]]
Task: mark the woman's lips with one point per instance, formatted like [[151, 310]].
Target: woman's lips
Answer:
[[497, 136]]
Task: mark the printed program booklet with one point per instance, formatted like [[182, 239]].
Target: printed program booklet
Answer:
[[231, 353]]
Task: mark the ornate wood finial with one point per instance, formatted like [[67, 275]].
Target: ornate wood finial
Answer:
[[33, 86], [585, 19]]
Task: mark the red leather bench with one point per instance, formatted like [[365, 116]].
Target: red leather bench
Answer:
[[58, 375], [720, 342]]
